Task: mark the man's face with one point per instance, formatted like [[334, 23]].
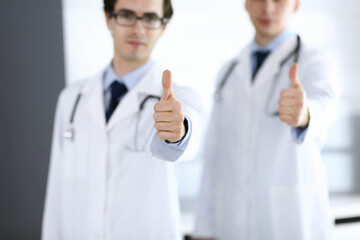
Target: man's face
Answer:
[[270, 17], [135, 43]]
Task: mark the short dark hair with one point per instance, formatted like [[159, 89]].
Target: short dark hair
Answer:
[[167, 7]]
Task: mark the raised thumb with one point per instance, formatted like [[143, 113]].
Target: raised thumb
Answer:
[[294, 78], [168, 92]]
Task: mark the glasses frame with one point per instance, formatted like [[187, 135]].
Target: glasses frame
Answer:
[[115, 15]]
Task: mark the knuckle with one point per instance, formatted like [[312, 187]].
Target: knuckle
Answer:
[[161, 135], [180, 118], [157, 106], [178, 128], [178, 136], [178, 107]]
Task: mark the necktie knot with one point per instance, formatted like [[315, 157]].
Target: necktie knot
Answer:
[[117, 90], [260, 59]]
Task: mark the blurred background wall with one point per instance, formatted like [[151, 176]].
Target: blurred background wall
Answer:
[[32, 75]]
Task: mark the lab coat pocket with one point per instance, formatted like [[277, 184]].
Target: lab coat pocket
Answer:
[[287, 212]]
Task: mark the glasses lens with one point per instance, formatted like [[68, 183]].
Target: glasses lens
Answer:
[[151, 21], [126, 17]]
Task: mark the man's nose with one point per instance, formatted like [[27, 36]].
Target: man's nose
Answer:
[[268, 6], [139, 26]]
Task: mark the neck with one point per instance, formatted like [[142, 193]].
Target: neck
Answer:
[[263, 39], [123, 67]]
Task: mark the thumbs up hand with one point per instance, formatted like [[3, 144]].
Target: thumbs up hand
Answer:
[[293, 108], [168, 116]]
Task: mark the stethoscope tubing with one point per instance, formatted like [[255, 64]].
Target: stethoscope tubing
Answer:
[[295, 53]]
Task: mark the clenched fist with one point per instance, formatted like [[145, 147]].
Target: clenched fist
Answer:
[[168, 116]]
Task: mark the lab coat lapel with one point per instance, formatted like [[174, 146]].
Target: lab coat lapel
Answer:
[[243, 70], [130, 103], [271, 66], [93, 95]]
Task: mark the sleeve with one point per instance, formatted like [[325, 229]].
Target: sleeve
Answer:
[[52, 213], [187, 148], [319, 78]]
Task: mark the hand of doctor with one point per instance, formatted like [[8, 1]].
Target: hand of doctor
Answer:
[[169, 120], [293, 109]]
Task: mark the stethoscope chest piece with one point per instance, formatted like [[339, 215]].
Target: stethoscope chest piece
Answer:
[[69, 134]]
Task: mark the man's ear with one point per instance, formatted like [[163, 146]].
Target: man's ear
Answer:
[[246, 6], [108, 21]]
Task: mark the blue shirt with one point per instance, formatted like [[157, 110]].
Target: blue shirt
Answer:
[[130, 80]]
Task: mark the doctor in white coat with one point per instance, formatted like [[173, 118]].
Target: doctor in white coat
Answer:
[[111, 171], [263, 175]]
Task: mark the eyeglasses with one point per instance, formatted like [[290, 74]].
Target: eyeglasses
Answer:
[[128, 18]]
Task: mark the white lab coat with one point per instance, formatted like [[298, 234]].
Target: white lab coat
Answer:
[[259, 181], [97, 188]]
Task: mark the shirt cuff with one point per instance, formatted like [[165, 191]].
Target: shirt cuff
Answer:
[[299, 133]]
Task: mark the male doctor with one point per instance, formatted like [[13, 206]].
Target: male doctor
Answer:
[[263, 175], [111, 172]]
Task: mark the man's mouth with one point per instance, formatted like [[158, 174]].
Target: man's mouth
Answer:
[[135, 43], [265, 22]]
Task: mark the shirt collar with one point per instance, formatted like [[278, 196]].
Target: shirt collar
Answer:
[[273, 44], [130, 79]]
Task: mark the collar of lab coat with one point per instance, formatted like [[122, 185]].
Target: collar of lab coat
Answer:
[[92, 92], [270, 67]]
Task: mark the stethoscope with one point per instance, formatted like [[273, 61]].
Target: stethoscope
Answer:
[[135, 147], [294, 53], [70, 132]]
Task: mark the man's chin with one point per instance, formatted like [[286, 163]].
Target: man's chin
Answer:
[[136, 58], [268, 33]]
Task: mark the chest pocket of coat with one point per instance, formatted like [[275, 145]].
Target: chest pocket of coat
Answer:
[[75, 152]]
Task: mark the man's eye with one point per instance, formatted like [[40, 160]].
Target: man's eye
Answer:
[[126, 14]]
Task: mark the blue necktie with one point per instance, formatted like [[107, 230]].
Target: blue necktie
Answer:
[[260, 59], [118, 90]]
